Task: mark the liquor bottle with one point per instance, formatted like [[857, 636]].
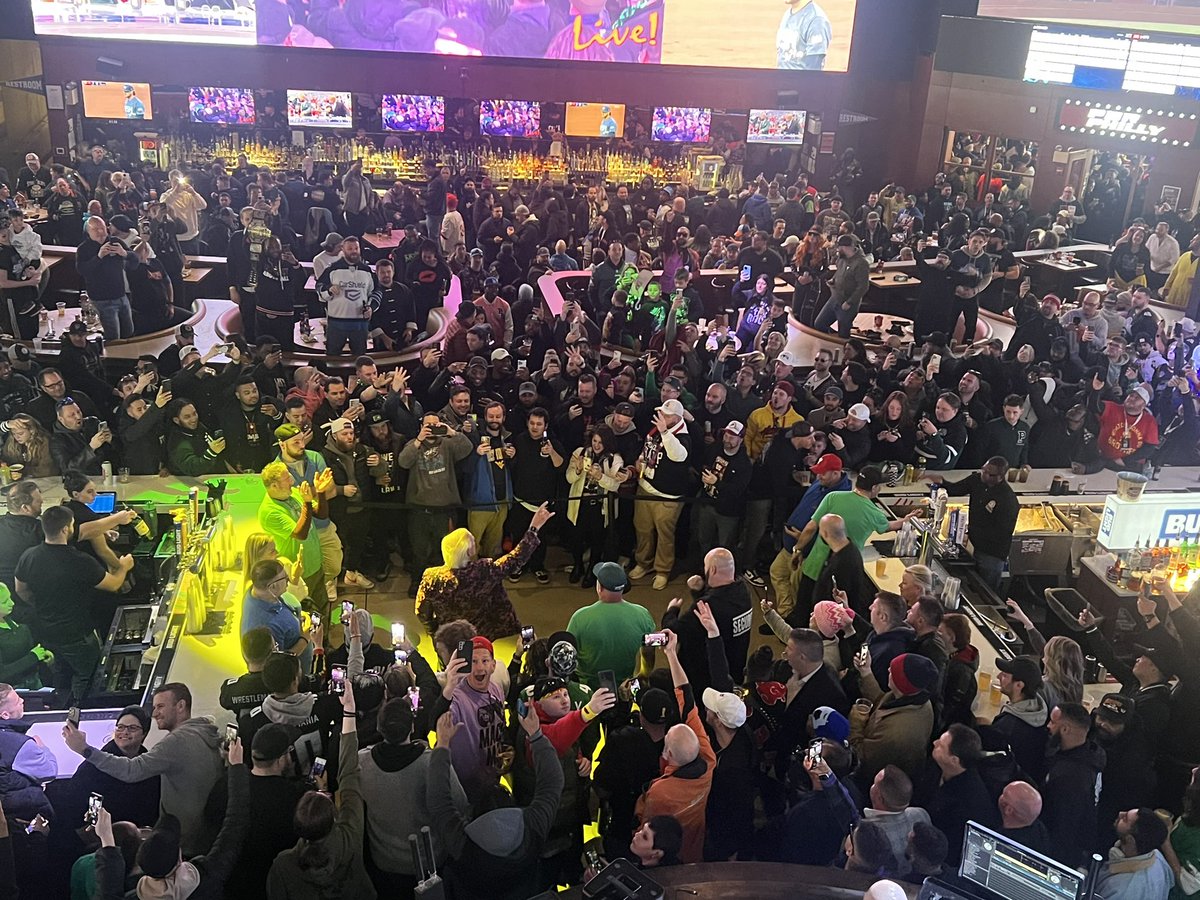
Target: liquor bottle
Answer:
[[1133, 564]]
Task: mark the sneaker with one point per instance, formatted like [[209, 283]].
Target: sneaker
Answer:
[[755, 579], [637, 572], [660, 582], [542, 576], [358, 579], [515, 577]]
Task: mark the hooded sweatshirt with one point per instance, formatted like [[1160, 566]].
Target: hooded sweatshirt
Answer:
[[311, 716], [1023, 725], [495, 854], [395, 778], [1069, 800], [24, 765], [190, 764]]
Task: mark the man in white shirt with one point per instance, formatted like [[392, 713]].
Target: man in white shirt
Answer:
[[1164, 253], [331, 252], [186, 205]]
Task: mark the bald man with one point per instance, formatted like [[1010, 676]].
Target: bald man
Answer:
[[1020, 810], [842, 571], [885, 890], [688, 763], [731, 605]]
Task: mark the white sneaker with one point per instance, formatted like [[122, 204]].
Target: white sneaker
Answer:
[[358, 579], [660, 582], [637, 572]]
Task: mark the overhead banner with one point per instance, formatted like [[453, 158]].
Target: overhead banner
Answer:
[[34, 84]]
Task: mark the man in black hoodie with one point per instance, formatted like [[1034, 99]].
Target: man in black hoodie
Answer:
[[1074, 765], [496, 853], [729, 600], [274, 792]]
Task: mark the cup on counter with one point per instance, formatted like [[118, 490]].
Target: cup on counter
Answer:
[[1012, 476], [123, 475], [62, 309], [997, 697], [17, 471], [881, 567], [984, 680]]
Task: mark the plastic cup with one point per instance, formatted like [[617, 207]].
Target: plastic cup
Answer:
[[997, 696], [880, 567], [985, 681], [62, 309], [123, 475]]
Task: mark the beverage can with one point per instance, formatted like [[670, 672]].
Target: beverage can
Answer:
[[107, 469]]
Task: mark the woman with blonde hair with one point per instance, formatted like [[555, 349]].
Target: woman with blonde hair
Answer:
[[465, 587], [28, 445], [260, 546], [594, 475], [1062, 661]]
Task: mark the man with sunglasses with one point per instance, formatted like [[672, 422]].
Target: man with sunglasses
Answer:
[[264, 606], [79, 442]]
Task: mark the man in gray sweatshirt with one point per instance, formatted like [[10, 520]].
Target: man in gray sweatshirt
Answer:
[[188, 759]]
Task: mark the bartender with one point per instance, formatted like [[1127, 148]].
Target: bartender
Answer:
[[993, 509]]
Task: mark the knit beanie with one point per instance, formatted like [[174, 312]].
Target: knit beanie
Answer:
[[829, 618], [912, 673]]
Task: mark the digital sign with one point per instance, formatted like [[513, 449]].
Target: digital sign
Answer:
[[1152, 126], [1114, 61], [776, 126], [1142, 15], [221, 106], [681, 124], [510, 118], [758, 35], [328, 109], [413, 112], [116, 100], [598, 120]]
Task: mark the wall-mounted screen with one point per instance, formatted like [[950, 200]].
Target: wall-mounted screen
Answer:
[[413, 112], [681, 124], [601, 120], [1141, 15], [221, 106], [776, 126], [761, 34], [510, 118], [116, 100], [328, 109], [1100, 59]]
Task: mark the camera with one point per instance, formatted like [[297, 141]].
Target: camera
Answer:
[[440, 430]]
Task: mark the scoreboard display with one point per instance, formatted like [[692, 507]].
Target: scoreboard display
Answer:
[[1106, 60]]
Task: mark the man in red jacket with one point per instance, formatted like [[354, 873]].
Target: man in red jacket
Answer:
[[688, 762]]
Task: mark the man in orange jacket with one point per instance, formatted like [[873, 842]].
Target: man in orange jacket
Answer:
[[688, 762]]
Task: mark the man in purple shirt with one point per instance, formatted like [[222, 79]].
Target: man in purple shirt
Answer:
[[478, 705]]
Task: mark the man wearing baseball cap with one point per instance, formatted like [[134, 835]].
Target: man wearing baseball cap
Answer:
[[723, 481], [611, 630], [785, 568], [1128, 782], [862, 518], [1128, 430], [850, 284], [765, 424], [663, 479], [850, 438]]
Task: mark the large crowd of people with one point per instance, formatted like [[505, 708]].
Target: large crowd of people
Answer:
[[846, 739]]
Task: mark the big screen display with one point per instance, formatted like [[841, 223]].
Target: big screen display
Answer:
[[328, 109], [776, 126], [221, 106], [413, 112], [598, 120], [1107, 60], [760, 34], [116, 100], [681, 124], [510, 118], [1140, 15]]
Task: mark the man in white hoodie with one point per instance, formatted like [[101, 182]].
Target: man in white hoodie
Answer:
[[187, 758]]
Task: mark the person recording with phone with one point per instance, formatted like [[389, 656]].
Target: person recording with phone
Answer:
[[78, 442]]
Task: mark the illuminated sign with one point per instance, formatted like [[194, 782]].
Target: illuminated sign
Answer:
[[1134, 123]]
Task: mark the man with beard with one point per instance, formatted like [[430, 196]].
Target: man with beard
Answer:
[[335, 405], [496, 311], [394, 324], [351, 463], [350, 293], [1038, 332], [971, 273], [502, 382], [472, 278], [604, 279], [389, 484], [1128, 430], [581, 413], [1128, 781], [489, 483], [724, 478], [431, 458], [277, 295], [536, 471], [247, 428], [429, 279], [712, 418]]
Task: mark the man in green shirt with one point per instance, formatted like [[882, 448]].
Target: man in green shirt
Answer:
[[611, 631], [286, 514], [862, 516]]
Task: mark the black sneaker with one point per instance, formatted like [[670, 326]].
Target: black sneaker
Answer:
[[542, 576], [755, 579], [515, 577]]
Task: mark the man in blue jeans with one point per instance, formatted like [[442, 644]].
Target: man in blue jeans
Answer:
[[351, 293], [849, 286], [102, 261]]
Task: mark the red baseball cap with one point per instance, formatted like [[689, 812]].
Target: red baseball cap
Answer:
[[830, 462]]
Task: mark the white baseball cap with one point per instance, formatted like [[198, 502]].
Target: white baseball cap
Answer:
[[729, 708], [860, 412], [672, 408]]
